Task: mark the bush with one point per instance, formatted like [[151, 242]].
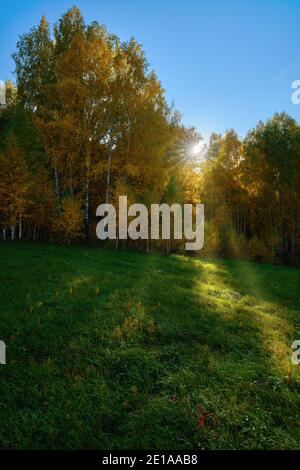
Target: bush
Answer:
[[259, 252], [68, 226]]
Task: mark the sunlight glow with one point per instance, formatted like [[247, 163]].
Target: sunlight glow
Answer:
[[197, 148]]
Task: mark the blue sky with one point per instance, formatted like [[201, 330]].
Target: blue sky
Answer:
[[223, 63]]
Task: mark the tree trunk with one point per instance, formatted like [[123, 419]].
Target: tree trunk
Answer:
[[70, 180], [20, 227], [57, 189], [108, 178], [87, 199]]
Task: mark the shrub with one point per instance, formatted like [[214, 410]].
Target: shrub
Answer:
[[259, 252], [68, 226]]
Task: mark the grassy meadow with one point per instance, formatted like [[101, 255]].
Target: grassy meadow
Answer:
[[111, 349]]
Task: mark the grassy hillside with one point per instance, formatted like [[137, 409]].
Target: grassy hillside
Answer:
[[111, 349]]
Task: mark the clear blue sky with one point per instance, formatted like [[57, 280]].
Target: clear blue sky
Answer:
[[225, 63]]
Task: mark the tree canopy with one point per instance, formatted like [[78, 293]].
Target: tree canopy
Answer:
[[87, 121]]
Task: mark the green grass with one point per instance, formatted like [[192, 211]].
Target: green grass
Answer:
[[111, 349]]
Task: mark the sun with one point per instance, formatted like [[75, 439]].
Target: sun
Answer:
[[196, 148]]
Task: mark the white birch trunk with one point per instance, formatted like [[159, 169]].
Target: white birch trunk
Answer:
[[108, 178], [20, 227]]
